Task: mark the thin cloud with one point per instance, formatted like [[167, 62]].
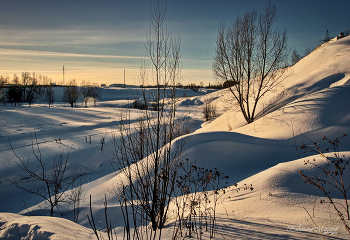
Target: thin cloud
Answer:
[[37, 53], [72, 36]]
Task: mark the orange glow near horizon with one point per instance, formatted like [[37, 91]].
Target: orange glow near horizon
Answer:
[[109, 76]]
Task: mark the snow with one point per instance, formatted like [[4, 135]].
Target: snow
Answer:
[[14, 226], [312, 102]]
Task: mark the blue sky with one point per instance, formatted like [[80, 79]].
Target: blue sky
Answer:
[[96, 40]]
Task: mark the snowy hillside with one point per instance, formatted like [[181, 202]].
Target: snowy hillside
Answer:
[[312, 102]]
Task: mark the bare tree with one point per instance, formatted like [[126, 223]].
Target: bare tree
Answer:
[[32, 93], [347, 32], [295, 57], [50, 184], [96, 93], [49, 95], [249, 52], [85, 93], [209, 109], [4, 80], [307, 51], [88, 92], [14, 94], [25, 81], [15, 79], [2, 97], [71, 94], [145, 151]]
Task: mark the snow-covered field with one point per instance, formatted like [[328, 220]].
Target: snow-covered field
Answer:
[[312, 102]]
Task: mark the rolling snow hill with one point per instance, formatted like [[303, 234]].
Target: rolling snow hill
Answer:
[[312, 102]]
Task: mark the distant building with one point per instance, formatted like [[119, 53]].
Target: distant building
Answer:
[[123, 86], [341, 35], [116, 85]]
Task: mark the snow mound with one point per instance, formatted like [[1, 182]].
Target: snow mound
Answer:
[[315, 111], [285, 176], [13, 226], [312, 102], [280, 196], [308, 81]]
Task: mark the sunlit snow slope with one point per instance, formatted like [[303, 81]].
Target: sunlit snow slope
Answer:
[[312, 102]]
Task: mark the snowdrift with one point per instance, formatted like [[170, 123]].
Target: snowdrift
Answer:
[[311, 103], [13, 226]]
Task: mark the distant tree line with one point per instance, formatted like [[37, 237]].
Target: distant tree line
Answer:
[[39, 79], [217, 85], [23, 89], [28, 88]]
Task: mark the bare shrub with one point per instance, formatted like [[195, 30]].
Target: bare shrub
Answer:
[[139, 104], [102, 141], [51, 184], [332, 175], [90, 92], [209, 109], [71, 94], [198, 192], [146, 152], [295, 57], [75, 197]]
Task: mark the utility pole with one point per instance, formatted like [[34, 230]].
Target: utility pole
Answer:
[[124, 77], [63, 75]]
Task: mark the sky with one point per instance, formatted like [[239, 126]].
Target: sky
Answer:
[[96, 40]]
